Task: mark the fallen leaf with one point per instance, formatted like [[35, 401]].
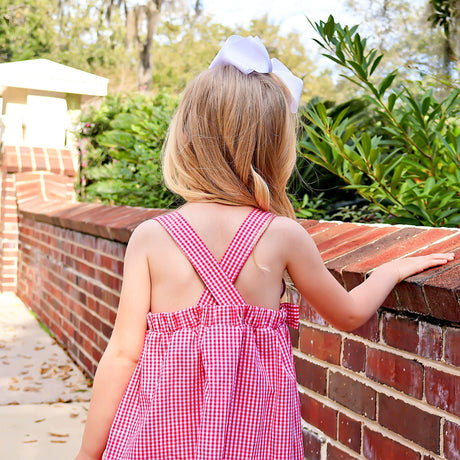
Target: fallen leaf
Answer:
[[58, 435], [65, 367], [29, 377], [39, 420], [14, 380], [31, 389], [73, 415], [58, 441], [39, 348], [29, 365], [13, 388], [31, 440], [5, 362]]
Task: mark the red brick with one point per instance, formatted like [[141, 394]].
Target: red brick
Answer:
[[442, 390], [451, 440], [320, 227], [307, 223], [352, 394], [322, 344], [294, 333], [319, 415], [310, 375], [400, 332], [333, 231], [334, 453], [393, 370], [370, 329], [452, 346], [411, 297], [26, 159], [414, 336], [356, 242], [311, 445], [343, 234], [410, 422], [354, 355], [442, 294], [307, 313], [430, 345], [379, 447], [53, 159], [350, 432]]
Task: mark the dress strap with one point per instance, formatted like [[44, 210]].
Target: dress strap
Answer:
[[241, 246], [215, 279]]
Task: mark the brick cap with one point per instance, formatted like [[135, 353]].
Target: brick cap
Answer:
[[349, 250], [25, 159]]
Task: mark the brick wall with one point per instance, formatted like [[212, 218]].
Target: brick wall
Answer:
[[387, 391]]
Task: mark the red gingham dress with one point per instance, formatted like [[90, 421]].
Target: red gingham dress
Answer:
[[216, 380]]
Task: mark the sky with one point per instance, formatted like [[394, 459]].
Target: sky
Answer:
[[289, 14]]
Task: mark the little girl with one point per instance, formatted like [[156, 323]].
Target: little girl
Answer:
[[200, 365]]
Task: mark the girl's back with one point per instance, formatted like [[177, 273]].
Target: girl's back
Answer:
[[174, 282]]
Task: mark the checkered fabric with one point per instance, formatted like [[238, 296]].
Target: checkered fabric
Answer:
[[216, 380]]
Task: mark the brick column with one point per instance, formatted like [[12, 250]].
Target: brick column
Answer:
[[28, 174]]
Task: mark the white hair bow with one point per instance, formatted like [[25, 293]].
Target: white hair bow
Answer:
[[248, 54]]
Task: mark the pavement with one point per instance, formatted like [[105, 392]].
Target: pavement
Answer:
[[44, 397]]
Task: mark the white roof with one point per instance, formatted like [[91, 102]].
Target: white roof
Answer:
[[45, 75]]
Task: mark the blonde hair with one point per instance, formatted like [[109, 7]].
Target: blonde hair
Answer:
[[232, 141]]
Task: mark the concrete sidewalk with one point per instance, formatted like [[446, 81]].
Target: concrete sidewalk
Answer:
[[43, 395]]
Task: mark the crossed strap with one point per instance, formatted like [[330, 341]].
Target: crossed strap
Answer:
[[218, 277]]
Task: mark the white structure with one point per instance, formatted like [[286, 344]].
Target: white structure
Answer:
[[38, 100]]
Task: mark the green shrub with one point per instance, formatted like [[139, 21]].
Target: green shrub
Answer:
[[407, 163], [121, 146]]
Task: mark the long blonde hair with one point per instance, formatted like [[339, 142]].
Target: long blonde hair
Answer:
[[232, 141]]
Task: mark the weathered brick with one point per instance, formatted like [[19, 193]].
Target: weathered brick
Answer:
[[417, 337], [350, 432], [452, 346], [410, 422], [451, 440], [307, 313], [334, 453], [354, 355], [322, 344], [319, 415], [370, 329], [379, 447], [393, 370], [311, 445], [441, 294], [442, 390], [352, 394], [310, 375]]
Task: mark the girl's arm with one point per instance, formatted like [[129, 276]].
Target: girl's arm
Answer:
[[346, 310], [123, 351]]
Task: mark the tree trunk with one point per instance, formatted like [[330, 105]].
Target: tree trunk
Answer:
[[152, 14]]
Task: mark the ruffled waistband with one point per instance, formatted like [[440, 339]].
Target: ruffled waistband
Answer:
[[207, 315]]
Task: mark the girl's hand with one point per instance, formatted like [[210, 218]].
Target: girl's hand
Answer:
[[411, 265]]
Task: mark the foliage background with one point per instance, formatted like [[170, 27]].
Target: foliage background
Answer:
[[120, 138]]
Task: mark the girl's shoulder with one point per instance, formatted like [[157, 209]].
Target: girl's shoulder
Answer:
[[146, 233], [289, 229]]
